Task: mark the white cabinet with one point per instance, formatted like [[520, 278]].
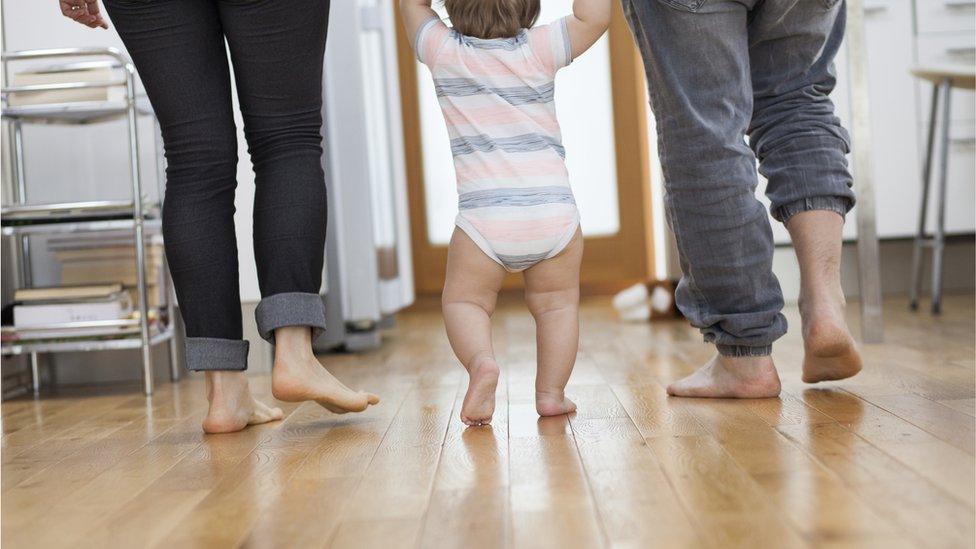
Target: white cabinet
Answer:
[[899, 35], [895, 161]]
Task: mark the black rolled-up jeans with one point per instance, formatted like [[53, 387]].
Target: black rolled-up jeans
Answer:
[[277, 48]]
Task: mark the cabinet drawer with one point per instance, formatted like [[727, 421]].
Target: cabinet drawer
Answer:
[[947, 50], [952, 49], [945, 15], [960, 190]]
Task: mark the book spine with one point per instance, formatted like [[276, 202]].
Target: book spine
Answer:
[[41, 315]]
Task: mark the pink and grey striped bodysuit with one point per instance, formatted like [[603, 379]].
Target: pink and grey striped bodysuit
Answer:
[[514, 198]]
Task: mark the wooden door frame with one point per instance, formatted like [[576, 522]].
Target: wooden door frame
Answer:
[[609, 263]]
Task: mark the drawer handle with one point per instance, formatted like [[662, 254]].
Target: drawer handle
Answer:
[[965, 141], [875, 8], [960, 4], [960, 52]]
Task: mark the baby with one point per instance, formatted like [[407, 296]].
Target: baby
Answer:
[[494, 75]]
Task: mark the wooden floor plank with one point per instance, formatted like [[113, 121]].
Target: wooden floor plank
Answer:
[[396, 486], [152, 513], [964, 405], [727, 505], [550, 500], [109, 491], [927, 514], [260, 478], [903, 441], [956, 428], [306, 512], [636, 502], [469, 502]]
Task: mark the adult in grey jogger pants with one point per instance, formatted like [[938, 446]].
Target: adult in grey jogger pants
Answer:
[[719, 72]]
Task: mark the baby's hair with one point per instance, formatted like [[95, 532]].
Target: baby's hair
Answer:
[[491, 18]]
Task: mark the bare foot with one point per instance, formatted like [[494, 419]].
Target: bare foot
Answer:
[[298, 376], [232, 407], [829, 349], [730, 377], [479, 401], [553, 403]]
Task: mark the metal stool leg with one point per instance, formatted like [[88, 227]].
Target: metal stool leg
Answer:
[[23, 243], [915, 288], [138, 231], [938, 240], [35, 367]]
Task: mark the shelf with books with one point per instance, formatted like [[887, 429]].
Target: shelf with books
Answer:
[[99, 88], [80, 317], [82, 92]]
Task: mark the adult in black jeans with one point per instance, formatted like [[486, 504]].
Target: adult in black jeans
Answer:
[[277, 49]]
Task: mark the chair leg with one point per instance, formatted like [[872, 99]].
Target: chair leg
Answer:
[[938, 240], [35, 368], [915, 287]]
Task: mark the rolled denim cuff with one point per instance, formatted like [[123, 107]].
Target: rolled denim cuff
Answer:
[[838, 204], [207, 354], [744, 350], [290, 309]]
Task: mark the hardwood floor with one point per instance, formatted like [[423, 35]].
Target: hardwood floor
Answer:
[[883, 460]]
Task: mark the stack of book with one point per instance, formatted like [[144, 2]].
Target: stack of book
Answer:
[[82, 72], [110, 260], [62, 312]]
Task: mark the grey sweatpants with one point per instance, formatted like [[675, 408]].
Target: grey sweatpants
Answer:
[[720, 71]]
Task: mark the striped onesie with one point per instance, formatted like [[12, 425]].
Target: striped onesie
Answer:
[[514, 198]]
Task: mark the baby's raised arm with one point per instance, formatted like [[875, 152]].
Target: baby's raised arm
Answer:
[[590, 20], [415, 13]]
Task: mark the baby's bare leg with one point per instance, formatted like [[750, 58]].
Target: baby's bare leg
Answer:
[[470, 291], [552, 295]]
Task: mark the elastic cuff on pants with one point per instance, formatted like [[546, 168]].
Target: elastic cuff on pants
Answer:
[[744, 350], [838, 204], [290, 309], [205, 354]]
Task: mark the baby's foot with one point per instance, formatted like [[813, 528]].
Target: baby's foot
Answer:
[[479, 401], [553, 403]]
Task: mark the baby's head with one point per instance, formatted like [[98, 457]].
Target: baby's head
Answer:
[[491, 18]]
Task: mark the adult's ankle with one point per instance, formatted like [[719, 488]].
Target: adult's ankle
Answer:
[[748, 367], [293, 342], [224, 382]]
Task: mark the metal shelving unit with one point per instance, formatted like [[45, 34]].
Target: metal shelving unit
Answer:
[[87, 217]]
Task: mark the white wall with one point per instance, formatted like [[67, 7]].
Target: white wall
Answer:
[[68, 163]]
